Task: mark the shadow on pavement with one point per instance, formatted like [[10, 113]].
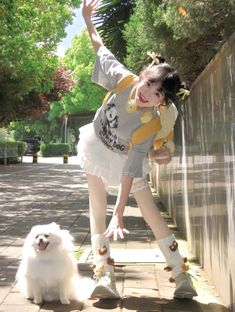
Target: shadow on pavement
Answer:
[[155, 304]]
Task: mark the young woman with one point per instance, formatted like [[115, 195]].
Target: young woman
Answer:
[[112, 163]]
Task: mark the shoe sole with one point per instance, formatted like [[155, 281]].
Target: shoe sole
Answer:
[[184, 296], [185, 291], [102, 292]]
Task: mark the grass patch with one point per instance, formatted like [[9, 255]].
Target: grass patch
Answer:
[[78, 253]]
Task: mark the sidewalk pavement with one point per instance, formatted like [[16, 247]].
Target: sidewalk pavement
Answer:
[[49, 191]]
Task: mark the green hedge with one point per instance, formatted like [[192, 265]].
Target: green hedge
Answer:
[[19, 147], [22, 147], [14, 151], [54, 149]]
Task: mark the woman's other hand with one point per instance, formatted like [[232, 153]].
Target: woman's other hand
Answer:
[[116, 228]]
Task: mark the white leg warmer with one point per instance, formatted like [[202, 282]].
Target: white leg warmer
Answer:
[[169, 248], [166, 241], [101, 253], [103, 268]]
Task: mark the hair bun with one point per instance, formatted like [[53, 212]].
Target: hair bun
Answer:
[[160, 58], [184, 91], [155, 59], [184, 86]]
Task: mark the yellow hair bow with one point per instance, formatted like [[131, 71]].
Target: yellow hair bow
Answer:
[[183, 93], [154, 58]]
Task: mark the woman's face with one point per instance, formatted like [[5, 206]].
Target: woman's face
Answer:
[[148, 94]]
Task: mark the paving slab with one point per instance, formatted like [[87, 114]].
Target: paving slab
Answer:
[[50, 191]]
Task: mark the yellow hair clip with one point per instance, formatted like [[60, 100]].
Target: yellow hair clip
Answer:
[[183, 93], [154, 58]]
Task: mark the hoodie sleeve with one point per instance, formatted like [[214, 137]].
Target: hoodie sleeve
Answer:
[[107, 69], [134, 164], [168, 116]]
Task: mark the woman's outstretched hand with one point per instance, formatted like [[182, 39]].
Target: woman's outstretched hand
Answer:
[[88, 9], [116, 228]]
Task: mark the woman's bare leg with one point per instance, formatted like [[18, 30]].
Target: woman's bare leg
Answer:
[[151, 214], [97, 203]]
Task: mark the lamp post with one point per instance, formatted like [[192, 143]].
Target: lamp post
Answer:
[[65, 128], [65, 157]]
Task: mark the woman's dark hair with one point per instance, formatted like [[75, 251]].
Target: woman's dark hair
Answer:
[[167, 76]]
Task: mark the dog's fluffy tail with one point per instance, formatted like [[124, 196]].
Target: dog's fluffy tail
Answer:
[[83, 288]]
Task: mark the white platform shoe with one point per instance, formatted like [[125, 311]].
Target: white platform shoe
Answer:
[[178, 267], [184, 287]]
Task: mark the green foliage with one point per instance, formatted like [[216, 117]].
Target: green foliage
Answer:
[[48, 130], [83, 100], [29, 34], [54, 149], [22, 147], [9, 145], [12, 151], [110, 19], [85, 96], [3, 135], [187, 33]]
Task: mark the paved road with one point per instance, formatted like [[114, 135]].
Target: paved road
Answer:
[[52, 191]]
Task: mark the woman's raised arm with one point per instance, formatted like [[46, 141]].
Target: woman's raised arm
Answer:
[[88, 11]]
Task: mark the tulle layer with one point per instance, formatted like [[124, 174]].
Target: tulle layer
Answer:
[[94, 158]]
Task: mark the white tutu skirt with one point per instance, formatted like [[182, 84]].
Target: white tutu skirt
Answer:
[[96, 159]]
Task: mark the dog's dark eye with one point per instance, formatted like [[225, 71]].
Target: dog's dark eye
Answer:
[[46, 235], [36, 236]]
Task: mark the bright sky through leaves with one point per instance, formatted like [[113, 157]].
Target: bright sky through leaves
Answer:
[[74, 29]]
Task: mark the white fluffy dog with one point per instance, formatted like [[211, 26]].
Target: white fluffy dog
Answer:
[[48, 269]]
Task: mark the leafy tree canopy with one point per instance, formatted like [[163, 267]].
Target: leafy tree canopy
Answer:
[[49, 131], [29, 34], [187, 33], [110, 19], [85, 96], [81, 103]]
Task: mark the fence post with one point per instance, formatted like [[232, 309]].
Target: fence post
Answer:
[[65, 158], [35, 158]]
